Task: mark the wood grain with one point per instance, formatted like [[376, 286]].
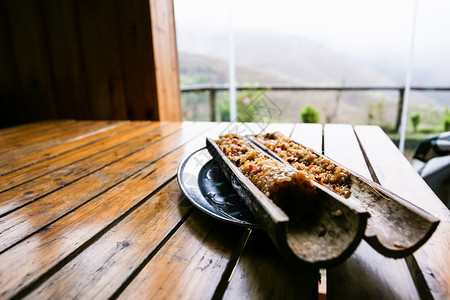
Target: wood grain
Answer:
[[28, 129], [395, 172], [198, 253], [362, 272], [309, 135], [166, 59], [262, 271], [124, 247], [35, 81], [137, 59], [9, 77], [101, 53], [75, 229], [284, 128], [54, 205], [95, 59], [121, 229], [37, 170], [21, 157], [66, 61], [36, 135], [318, 239]]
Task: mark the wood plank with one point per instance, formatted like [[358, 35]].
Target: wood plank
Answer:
[[100, 269], [39, 169], [35, 80], [244, 128], [57, 129], [64, 237], [99, 39], [34, 135], [9, 79], [429, 265], [90, 60], [61, 28], [22, 156], [284, 128], [27, 127], [309, 135], [71, 143], [26, 220], [166, 59], [262, 272], [366, 274], [342, 145], [89, 162], [137, 60], [198, 253]]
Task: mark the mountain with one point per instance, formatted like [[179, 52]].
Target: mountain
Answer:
[[283, 59], [301, 59], [201, 69]]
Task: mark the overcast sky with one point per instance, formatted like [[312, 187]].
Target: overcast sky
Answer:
[[366, 29]]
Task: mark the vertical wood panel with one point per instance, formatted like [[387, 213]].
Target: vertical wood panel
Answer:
[[166, 59], [9, 83], [100, 47], [60, 27], [31, 55], [62, 35], [81, 59], [137, 60]]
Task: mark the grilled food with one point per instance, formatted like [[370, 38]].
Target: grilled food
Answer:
[[318, 168], [280, 182]]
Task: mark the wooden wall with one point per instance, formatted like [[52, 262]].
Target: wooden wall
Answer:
[[87, 59]]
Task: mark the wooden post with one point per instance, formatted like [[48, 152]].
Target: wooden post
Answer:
[[212, 104], [401, 100], [166, 59]]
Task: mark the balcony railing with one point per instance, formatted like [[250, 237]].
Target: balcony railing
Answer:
[[213, 88]]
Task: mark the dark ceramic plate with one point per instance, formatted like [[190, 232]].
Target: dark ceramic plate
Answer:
[[204, 184]]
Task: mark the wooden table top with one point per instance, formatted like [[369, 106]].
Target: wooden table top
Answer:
[[92, 209]]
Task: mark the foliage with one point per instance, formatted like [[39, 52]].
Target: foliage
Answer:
[[375, 112], [447, 120], [309, 114], [249, 104], [195, 106], [415, 119], [223, 107]]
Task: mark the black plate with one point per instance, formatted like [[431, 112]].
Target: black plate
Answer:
[[204, 184]]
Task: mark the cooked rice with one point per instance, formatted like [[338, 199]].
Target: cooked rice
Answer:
[[279, 182], [317, 167]]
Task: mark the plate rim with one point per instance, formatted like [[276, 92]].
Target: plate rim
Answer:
[[186, 193]]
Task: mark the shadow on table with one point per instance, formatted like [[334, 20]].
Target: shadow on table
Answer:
[[259, 271]]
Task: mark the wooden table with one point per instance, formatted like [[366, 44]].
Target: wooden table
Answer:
[[92, 209]]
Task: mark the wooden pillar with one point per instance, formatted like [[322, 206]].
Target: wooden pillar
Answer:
[[166, 59], [97, 59]]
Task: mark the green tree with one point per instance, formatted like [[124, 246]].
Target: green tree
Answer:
[[249, 104], [447, 120], [375, 112], [415, 119], [309, 114]]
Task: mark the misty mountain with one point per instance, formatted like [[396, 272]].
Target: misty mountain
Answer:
[[300, 59], [283, 59]]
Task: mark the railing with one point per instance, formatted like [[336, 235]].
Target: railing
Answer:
[[213, 88]]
